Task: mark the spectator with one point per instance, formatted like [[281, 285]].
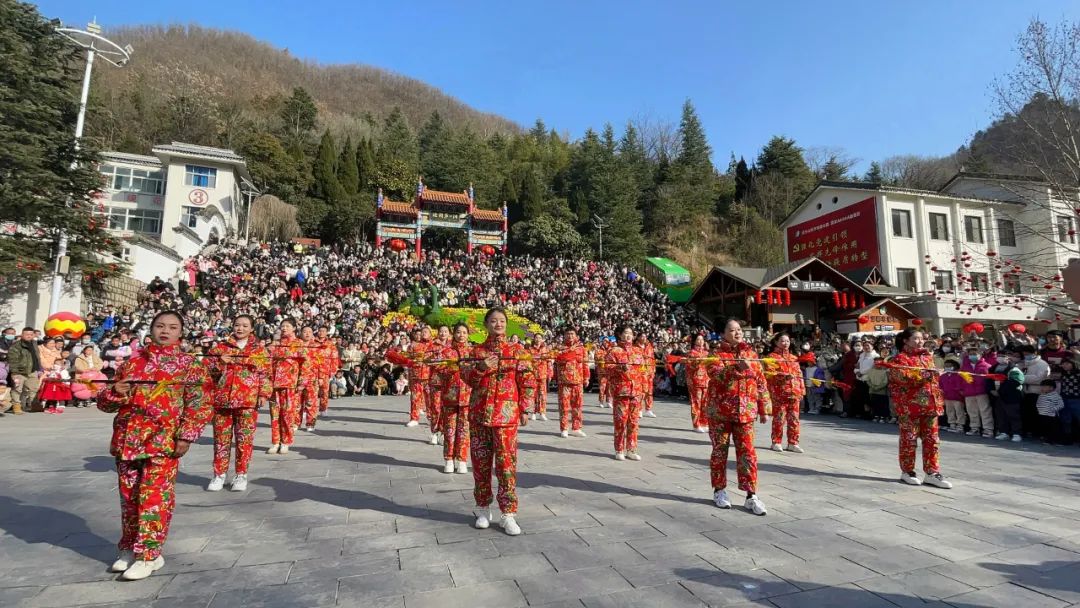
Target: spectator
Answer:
[[976, 398], [952, 387], [1035, 371], [1070, 394], [1049, 406], [24, 363]]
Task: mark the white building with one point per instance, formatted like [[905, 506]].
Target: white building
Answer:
[[967, 228], [168, 206]]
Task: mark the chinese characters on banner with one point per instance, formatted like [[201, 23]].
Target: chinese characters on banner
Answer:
[[845, 239]]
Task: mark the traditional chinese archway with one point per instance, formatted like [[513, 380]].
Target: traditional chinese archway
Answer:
[[436, 209]]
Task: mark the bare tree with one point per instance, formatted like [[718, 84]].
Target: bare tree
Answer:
[[823, 159], [273, 220], [660, 137], [917, 172]]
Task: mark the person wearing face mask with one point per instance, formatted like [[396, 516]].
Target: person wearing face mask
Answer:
[[976, 400], [916, 393], [24, 364], [8, 339], [1035, 371]]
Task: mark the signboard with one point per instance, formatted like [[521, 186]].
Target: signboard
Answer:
[[845, 239], [404, 232], [198, 197], [819, 286]]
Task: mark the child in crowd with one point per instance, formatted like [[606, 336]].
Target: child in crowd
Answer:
[[1049, 404], [1007, 407], [877, 378], [815, 393], [55, 390], [952, 385], [1070, 394]]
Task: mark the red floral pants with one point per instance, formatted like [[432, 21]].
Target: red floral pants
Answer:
[[230, 423], [626, 423], [433, 400], [697, 405], [721, 434], [324, 394], [540, 403], [646, 399], [309, 404], [785, 412], [455, 429], [495, 445], [417, 399], [570, 415], [284, 411], [913, 429], [147, 499], [604, 396]]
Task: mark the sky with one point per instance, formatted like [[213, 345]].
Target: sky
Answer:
[[875, 79]]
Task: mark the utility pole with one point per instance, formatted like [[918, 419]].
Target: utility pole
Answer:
[[600, 224]]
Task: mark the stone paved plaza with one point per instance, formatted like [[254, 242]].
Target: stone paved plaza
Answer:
[[362, 515]]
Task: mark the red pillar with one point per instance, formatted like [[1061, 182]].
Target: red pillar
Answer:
[[417, 247]]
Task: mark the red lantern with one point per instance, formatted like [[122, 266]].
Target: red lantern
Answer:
[[863, 320], [844, 300], [916, 322], [487, 250], [787, 298], [836, 299], [397, 245], [974, 327], [759, 297], [1018, 328]]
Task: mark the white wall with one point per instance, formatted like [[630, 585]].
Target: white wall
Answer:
[[30, 307], [222, 195], [147, 263]]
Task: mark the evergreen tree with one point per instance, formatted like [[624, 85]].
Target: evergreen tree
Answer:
[[743, 178], [348, 172], [782, 155], [585, 165], [325, 185], [694, 153], [539, 132], [874, 174], [398, 157], [436, 154], [299, 114], [273, 170], [833, 170], [365, 167], [532, 195]]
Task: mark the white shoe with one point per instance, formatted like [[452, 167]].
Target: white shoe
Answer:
[[412, 423], [510, 526], [239, 483], [703, 429], [434, 439], [564, 434], [579, 433], [776, 447], [620, 456], [123, 561], [1016, 439], [633, 456], [937, 480], [544, 417], [142, 569], [754, 505], [1002, 436], [972, 432], [462, 467], [310, 429], [440, 438], [216, 484], [483, 520], [794, 448], [273, 449], [910, 478], [649, 414], [284, 449], [720, 498], [532, 416], [640, 414], [448, 467]]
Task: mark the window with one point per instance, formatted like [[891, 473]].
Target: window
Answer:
[[905, 279], [144, 181], [125, 254], [939, 227], [980, 281], [201, 177], [1006, 233], [973, 229], [1012, 285], [1066, 230], [901, 223], [943, 280], [146, 221], [189, 216]]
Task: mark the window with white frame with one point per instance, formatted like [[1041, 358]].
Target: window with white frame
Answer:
[[146, 221], [200, 177], [1006, 233], [126, 179], [973, 231], [1066, 229], [905, 279], [943, 280], [189, 216], [939, 227], [901, 223], [980, 281]]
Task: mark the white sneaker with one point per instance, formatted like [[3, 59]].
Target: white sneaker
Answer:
[[1002, 436], [564, 434], [972, 432], [273, 449], [123, 561], [620, 456], [510, 526], [483, 520], [720, 498], [310, 429], [1016, 439], [640, 414], [910, 478], [448, 467], [532, 416], [794, 448], [703, 429], [937, 480], [754, 505], [544, 417], [142, 569], [284, 449], [440, 438], [412, 423], [633, 456], [776, 447], [462, 467], [239, 483], [578, 433], [216, 484], [649, 414], [434, 439]]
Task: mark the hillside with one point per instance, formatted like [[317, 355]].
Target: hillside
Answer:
[[192, 73]]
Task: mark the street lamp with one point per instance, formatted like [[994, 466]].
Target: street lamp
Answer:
[[95, 45], [600, 224], [249, 191]]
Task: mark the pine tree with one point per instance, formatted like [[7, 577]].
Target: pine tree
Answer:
[[348, 172], [695, 155], [833, 170], [539, 132], [299, 114], [743, 178], [783, 156], [274, 170], [365, 167], [398, 157], [874, 174], [325, 185]]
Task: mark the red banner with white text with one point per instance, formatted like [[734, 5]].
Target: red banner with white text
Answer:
[[845, 239]]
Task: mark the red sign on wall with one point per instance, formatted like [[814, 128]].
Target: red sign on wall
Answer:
[[845, 239]]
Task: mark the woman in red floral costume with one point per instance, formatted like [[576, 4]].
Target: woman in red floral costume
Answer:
[[625, 381], [697, 379], [433, 399], [455, 402], [572, 376], [786, 390], [737, 395], [648, 374], [543, 364], [502, 390], [287, 353], [916, 393], [160, 406], [242, 370]]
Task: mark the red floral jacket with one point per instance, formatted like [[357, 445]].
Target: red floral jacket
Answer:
[[736, 395], [242, 383], [287, 356], [455, 392], [499, 396], [648, 368], [329, 357], [151, 418], [697, 372], [623, 368], [915, 392], [571, 368], [785, 379], [541, 363]]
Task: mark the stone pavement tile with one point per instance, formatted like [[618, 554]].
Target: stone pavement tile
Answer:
[[742, 559], [1041, 558], [658, 549], [11, 596], [725, 589], [668, 570], [1011, 537], [97, 592], [814, 547], [844, 596], [893, 560], [823, 572], [199, 561], [346, 565], [179, 546], [934, 512], [505, 568], [812, 527], [880, 537], [358, 590], [663, 596], [981, 572], [573, 584], [995, 518], [609, 534], [688, 529], [1004, 596], [229, 539], [915, 587], [955, 547], [1061, 527], [374, 528], [576, 558], [749, 537], [274, 552], [362, 515], [311, 594], [419, 557], [504, 594], [292, 522], [1062, 583], [536, 543], [57, 574], [246, 577], [371, 544]]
